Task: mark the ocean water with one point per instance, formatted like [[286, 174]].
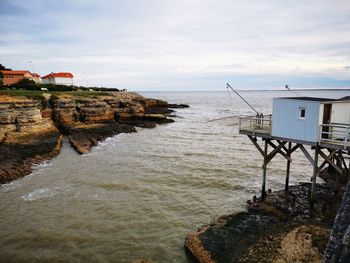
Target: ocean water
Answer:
[[138, 195]]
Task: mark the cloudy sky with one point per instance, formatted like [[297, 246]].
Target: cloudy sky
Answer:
[[182, 44]]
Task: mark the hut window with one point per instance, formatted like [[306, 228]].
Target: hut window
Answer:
[[302, 112]]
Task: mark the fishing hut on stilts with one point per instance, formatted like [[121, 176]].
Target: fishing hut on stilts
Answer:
[[298, 123]]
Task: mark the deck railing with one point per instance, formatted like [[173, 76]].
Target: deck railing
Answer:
[[335, 133], [255, 124]]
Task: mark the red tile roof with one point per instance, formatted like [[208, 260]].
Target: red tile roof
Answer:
[[14, 72], [35, 75], [58, 75]]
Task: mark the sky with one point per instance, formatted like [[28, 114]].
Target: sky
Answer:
[[163, 45]]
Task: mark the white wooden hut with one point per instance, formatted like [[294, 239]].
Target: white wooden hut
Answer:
[[311, 120], [323, 124]]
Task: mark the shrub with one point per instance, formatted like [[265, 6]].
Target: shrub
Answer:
[[26, 84]]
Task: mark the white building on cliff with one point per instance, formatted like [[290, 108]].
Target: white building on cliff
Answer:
[[60, 78]]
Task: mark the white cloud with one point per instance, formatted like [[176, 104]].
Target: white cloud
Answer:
[[138, 41]]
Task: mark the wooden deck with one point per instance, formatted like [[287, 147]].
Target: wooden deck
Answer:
[[257, 127], [333, 136]]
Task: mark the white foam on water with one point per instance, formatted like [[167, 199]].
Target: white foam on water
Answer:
[[9, 187], [44, 164], [110, 141], [39, 194]]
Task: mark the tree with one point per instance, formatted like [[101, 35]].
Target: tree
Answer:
[[25, 83], [3, 68], [1, 78]]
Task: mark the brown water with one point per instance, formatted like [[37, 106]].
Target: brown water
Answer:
[[138, 195]]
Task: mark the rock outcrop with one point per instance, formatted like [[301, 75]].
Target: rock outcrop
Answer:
[[27, 136], [88, 120], [338, 247], [31, 130], [303, 244], [282, 228]]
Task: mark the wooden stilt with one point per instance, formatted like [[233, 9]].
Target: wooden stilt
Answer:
[[346, 168], [338, 174], [263, 191], [315, 162], [288, 166], [253, 140]]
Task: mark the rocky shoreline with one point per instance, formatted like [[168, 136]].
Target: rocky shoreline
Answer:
[[32, 129], [282, 228]]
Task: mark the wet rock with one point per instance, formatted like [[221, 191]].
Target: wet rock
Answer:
[[158, 110], [331, 177], [196, 248], [338, 247], [84, 138], [295, 204], [228, 238], [142, 260], [178, 106], [17, 156], [257, 235]]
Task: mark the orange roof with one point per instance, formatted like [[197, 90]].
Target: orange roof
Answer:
[[59, 75], [35, 75], [14, 72]]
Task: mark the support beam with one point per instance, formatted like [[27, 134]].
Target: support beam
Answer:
[[295, 147], [274, 152], [278, 149], [284, 147], [256, 145], [306, 153], [331, 153], [288, 166], [313, 187], [263, 189], [330, 161]]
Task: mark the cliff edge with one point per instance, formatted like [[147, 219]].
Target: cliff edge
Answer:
[[31, 129]]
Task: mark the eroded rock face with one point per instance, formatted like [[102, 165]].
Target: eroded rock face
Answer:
[[338, 247], [88, 120], [31, 130], [26, 136], [22, 117]]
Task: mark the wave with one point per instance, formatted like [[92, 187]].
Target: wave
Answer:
[[39, 194], [9, 187], [43, 164]]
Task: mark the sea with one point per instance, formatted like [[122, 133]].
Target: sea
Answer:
[[138, 195]]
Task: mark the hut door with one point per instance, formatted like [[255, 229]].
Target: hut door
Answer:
[[326, 119]]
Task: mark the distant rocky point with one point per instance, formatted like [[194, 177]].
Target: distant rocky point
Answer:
[[32, 126]]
